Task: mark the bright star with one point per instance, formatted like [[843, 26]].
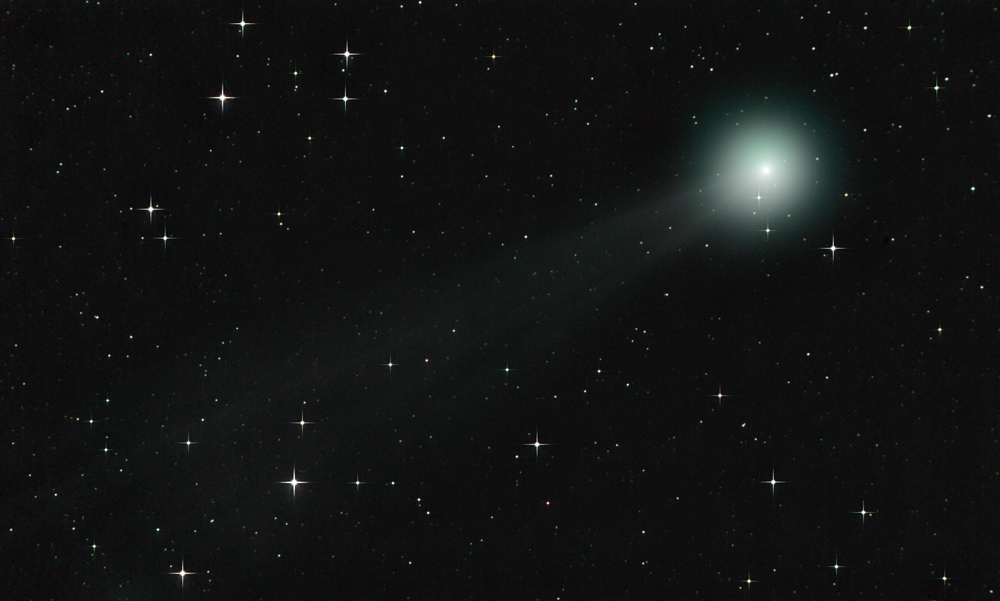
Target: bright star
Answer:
[[836, 567], [748, 581], [766, 169], [243, 23], [345, 99], [536, 444], [357, 482], [302, 423], [909, 27], [164, 238], [758, 197], [833, 248], [863, 512], [294, 482], [772, 482], [936, 88], [222, 98], [188, 443], [390, 365], [347, 54], [768, 231], [183, 573], [149, 209], [494, 56], [720, 395]]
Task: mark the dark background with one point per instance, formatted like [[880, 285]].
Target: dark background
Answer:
[[544, 215]]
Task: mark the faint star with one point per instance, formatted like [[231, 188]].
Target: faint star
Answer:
[[767, 230], [183, 573], [833, 248], [302, 423], [294, 482], [222, 98], [149, 209], [295, 76], [936, 88], [864, 513], [243, 23], [772, 482], [536, 444]]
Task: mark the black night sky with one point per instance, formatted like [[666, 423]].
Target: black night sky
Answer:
[[281, 323]]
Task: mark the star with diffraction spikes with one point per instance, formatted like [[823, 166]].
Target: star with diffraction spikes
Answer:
[[294, 482], [164, 237], [536, 444], [345, 100], [836, 567], [864, 513], [242, 24], [748, 582], [909, 27], [222, 98], [767, 230], [758, 197], [493, 56], [772, 482], [183, 573], [188, 443], [302, 423], [149, 209], [390, 365], [833, 248], [357, 483], [936, 88], [347, 54], [719, 395]]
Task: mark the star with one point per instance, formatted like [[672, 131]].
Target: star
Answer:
[[243, 24], [295, 76], [936, 87], [863, 512], [766, 170], [940, 331], [758, 197], [494, 56], [390, 365], [767, 230], [748, 581], [944, 578], [188, 443], [164, 237], [357, 483], [183, 573], [909, 27], [13, 238], [345, 99], [347, 54], [222, 98], [93, 548], [720, 395], [294, 482], [836, 567], [772, 482], [302, 423], [833, 248], [149, 209], [106, 449], [536, 444]]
